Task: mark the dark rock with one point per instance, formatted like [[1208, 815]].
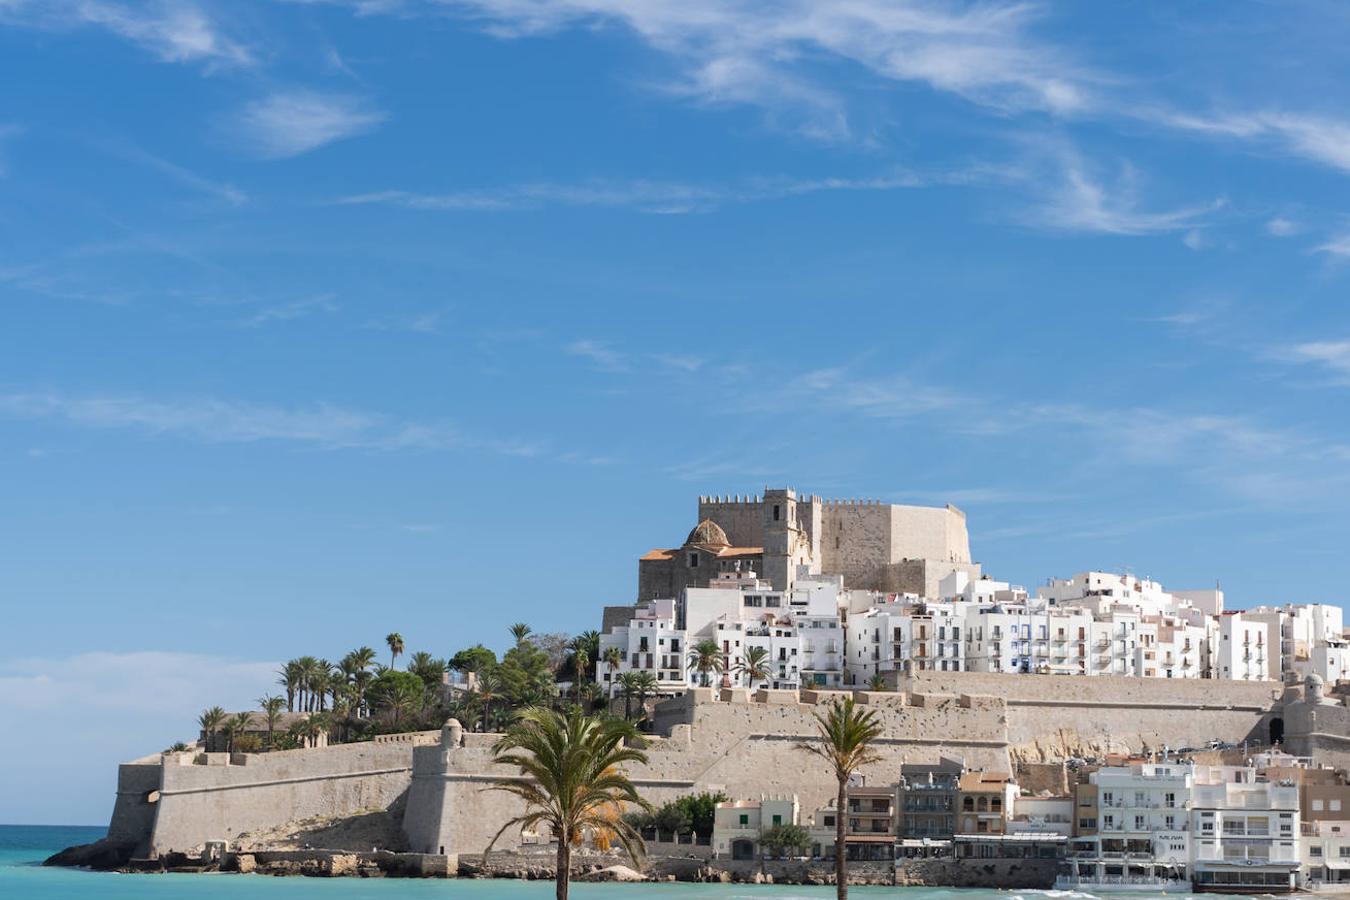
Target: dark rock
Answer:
[[102, 854]]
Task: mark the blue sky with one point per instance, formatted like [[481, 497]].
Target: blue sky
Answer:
[[324, 319]]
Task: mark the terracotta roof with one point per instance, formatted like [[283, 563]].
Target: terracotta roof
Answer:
[[659, 555]]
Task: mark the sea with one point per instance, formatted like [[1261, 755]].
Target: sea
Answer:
[[23, 877]]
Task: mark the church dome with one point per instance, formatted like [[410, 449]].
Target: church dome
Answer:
[[708, 532]]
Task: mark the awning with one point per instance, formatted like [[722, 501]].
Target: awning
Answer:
[[1340, 865]]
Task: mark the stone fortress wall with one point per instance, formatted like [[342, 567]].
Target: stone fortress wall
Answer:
[[1053, 717], [731, 741], [167, 803], [746, 745]]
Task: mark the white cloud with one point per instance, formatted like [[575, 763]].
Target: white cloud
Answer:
[[1082, 202], [108, 708], [662, 197], [183, 684], [209, 420], [221, 190], [178, 31], [1318, 138], [296, 309], [1338, 246], [601, 355], [747, 52], [290, 123], [1281, 227], [1334, 355]]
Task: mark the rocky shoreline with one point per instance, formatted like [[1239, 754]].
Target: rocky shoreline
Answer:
[[320, 863]]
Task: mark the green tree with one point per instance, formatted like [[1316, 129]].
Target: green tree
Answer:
[[234, 726], [706, 657], [644, 686], [396, 694], [271, 708], [701, 810], [210, 721], [755, 665], [781, 840], [845, 743], [627, 682], [520, 631], [574, 782], [525, 675], [476, 659], [877, 683], [428, 668], [395, 642]]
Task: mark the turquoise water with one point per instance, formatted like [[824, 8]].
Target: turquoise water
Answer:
[[23, 847]]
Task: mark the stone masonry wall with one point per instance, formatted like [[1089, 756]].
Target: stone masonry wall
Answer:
[[741, 747], [216, 802], [1056, 716]]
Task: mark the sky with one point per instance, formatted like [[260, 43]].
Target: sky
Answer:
[[320, 320]]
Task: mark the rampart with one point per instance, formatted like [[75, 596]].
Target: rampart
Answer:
[[174, 802], [744, 746], [1053, 717]]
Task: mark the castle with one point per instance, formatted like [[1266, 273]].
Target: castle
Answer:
[[872, 545]]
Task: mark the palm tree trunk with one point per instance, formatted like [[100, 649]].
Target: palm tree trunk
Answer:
[[840, 850], [564, 867]]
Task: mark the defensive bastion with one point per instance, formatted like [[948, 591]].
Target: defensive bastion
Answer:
[[725, 740]]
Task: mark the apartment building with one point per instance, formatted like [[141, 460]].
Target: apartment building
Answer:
[[1246, 830]]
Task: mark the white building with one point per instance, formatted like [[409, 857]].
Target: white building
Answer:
[[739, 825], [1245, 830], [1243, 650]]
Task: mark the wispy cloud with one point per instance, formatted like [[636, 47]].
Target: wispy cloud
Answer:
[[179, 31], [419, 323], [296, 309], [601, 355], [289, 123], [1320, 139], [662, 197], [750, 53], [1337, 246], [1081, 201], [1281, 227], [1331, 355], [320, 426], [186, 177]]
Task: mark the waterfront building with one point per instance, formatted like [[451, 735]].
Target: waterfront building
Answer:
[[739, 825], [1245, 830], [1132, 828], [928, 800], [983, 800]]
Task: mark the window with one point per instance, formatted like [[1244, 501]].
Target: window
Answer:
[[693, 560], [1314, 851], [778, 820], [776, 512], [1334, 805], [745, 819], [1317, 805]]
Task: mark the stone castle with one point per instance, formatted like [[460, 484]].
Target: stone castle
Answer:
[[873, 545]]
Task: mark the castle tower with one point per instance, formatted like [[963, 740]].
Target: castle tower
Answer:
[[781, 537]]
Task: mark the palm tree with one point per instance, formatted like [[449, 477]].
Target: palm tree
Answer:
[[628, 690], [428, 668], [395, 642], [754, 666], [210, 721], [363, 657], [877, 683], [612, 658], [706, 657], [489, 689], [290, 677], [271, 707], [360, 684], [644, 684], [845, 744], [520, 631], [573, 782], [581, 661], [237, 725]]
